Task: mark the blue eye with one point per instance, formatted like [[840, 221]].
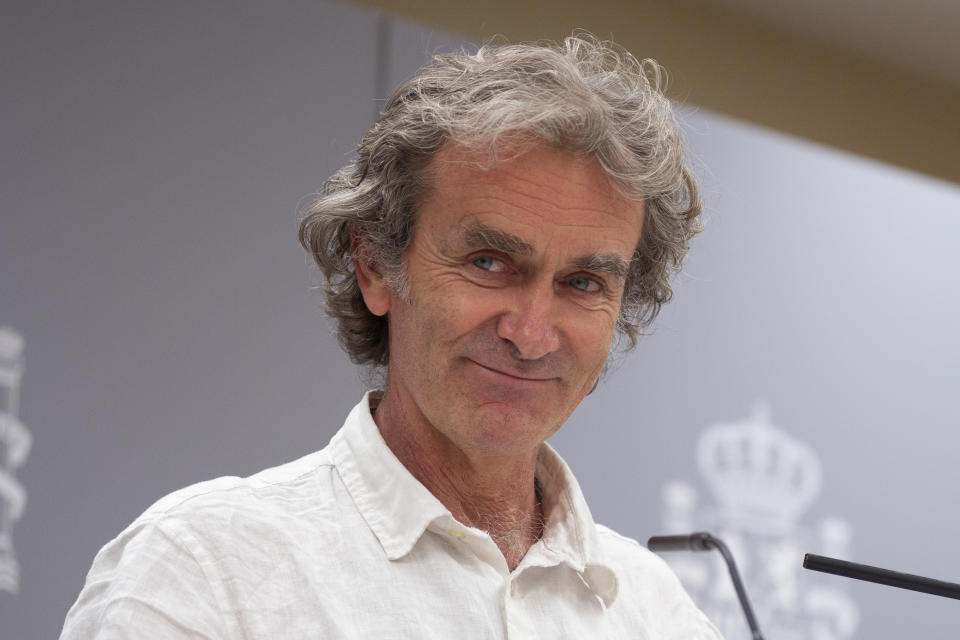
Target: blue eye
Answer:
[[484, 262], [583, 283]]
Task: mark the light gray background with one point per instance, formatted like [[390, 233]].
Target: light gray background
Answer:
[[155, 159]]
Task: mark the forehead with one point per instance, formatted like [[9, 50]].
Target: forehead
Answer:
[[536, 193]]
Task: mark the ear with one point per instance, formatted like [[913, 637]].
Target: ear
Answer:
[[376, 293]]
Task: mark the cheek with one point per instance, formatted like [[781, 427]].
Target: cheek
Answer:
[[597, 346], [591, 347], [461, 310], [429, 328], [591, 332]]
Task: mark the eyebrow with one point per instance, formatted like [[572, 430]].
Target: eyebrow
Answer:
[[610, 263], [480, 235]]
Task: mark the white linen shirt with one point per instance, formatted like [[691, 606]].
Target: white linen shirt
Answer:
[[346, 543]]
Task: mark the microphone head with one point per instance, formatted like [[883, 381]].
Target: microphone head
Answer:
[[700, 541]]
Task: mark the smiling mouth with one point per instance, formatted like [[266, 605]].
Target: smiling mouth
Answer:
[[515, 376]]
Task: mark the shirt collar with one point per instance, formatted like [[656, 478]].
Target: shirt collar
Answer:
[[398, 508], [570, 534]]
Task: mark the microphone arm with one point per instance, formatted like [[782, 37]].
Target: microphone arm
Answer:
[[703, 541], [881, 576]]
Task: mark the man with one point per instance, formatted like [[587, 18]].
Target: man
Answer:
[[508, 214]]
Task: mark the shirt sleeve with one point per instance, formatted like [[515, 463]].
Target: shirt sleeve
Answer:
[[146, 583]]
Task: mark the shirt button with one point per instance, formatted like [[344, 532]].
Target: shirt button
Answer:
[[513, 588], [457, 533]]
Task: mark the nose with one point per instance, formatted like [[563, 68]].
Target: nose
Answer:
[[530, 323]]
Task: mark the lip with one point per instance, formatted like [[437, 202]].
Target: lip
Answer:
[[508, 374]]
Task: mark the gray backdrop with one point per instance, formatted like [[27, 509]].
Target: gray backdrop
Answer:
[[155, 159]]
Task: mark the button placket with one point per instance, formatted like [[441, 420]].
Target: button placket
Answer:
[[519, 626]]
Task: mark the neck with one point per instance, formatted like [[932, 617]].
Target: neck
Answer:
[[496, 493]]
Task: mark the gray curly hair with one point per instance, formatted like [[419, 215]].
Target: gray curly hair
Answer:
[[583, 96]]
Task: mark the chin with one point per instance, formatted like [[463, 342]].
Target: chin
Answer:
[[503, 427]]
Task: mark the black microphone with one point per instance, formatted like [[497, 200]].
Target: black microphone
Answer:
[[881, 576], [703, 541]]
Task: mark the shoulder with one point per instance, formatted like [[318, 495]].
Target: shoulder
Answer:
[[647, 582], [215, 519], [217, 508], [179, 559], [285, 480], [636, 565], [627, 553], [207, 521]]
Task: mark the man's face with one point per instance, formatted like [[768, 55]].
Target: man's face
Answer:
[[516, 275]]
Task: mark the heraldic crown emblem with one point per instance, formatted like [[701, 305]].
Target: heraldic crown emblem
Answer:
[[15, 444]]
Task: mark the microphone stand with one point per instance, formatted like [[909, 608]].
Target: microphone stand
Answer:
[[703, 541]]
